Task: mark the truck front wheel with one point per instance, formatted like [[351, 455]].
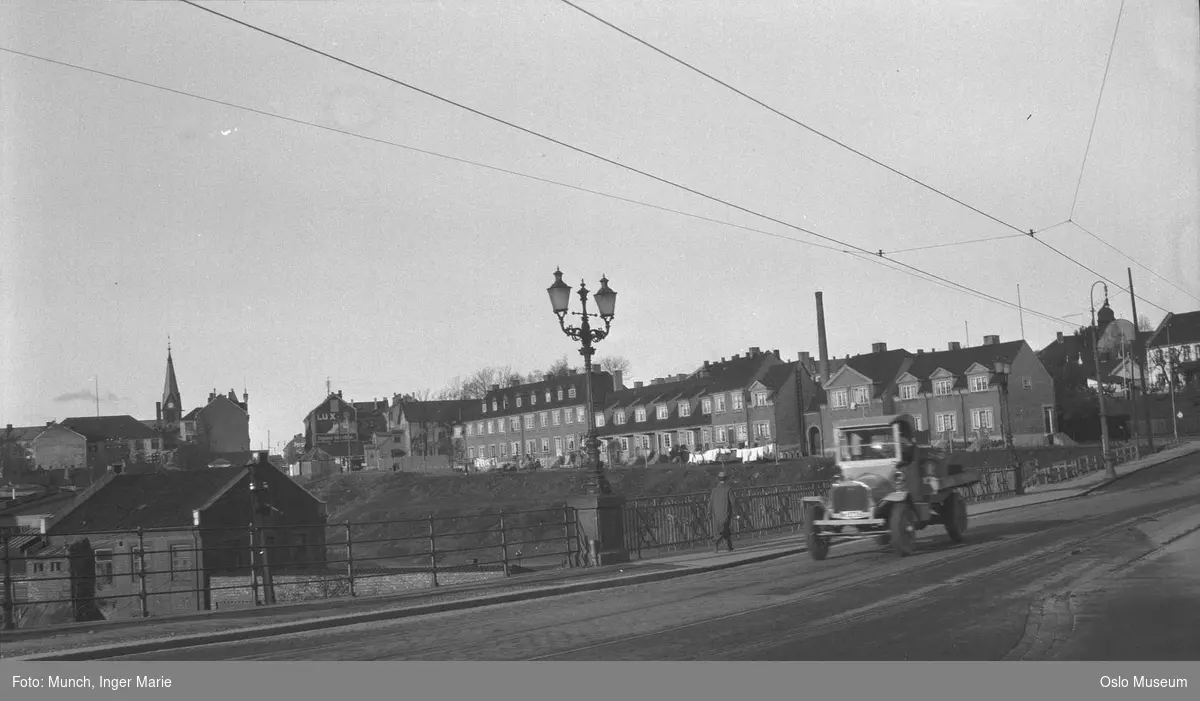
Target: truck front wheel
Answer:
[[903, 522]]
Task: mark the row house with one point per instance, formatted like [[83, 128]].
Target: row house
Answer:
[[750, 400], [332, 426], [956, 394], [418, 428], [544, 420], [108, 440]]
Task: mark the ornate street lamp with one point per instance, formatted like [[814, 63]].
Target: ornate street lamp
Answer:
[[1109, 468], [606, 300], [1003, 371]]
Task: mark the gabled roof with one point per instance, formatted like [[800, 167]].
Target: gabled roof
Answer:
[[777, 376], [98, 428], [156, 500], [59, 426], [376, 406], [880, 368], [332, 395], [316, 454], [1182, 328], [959, 361], [193, 414], [446, 411], [223, 398], [23, 434], [739, 372]]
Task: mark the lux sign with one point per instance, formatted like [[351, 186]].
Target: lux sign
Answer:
[[326, 416]]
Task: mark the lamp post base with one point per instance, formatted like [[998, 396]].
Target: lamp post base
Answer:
[[600, 519]]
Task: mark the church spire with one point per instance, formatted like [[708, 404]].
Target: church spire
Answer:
[[171, 404]]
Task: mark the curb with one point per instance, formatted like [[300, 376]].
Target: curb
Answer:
[[1118, 478], [267, 631]]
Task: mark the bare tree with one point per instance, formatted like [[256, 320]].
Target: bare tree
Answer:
[[1143, 323], [479, 383], [616, 363]]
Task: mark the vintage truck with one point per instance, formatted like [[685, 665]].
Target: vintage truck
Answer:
[[886, 487]]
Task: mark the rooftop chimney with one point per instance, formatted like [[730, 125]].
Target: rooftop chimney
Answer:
[[339, 394], [955, 345], [656, 381], [879, 347], [754, 350], [920, 351], [1060, 336], [495, 388], [736, 356], [777, 355], [514, 382], [49, 423], [823, 345], [637, 385], [991, 340], [618, 380]]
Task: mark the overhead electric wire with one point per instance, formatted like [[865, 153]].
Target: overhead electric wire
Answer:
[[578, 149], [1087, 231], [1096, 113], [968, 242], [847, 147], [874, 258]]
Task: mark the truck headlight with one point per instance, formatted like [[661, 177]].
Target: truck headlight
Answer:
[[898, 477]]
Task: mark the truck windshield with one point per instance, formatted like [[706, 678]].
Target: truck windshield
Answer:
[[867, 444]]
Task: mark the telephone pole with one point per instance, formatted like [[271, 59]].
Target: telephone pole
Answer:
[[1142, 361]]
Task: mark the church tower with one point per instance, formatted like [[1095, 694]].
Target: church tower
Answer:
[[171, 406]]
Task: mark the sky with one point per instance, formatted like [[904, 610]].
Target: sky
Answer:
[[277, 256]]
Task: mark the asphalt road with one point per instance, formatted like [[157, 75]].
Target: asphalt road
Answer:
[[1092, 578]]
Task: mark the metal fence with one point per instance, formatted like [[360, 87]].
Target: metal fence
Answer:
[[140, 573]]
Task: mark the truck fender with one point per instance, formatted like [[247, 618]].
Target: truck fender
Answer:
[[894, 497]]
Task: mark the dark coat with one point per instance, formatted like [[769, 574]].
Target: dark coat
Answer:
[[720, 508]]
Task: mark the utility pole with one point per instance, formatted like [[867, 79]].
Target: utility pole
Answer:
[[1141, 360], [97, 385], [1171, 380], [1021, 311]]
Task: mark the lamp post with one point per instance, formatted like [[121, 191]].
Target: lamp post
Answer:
[[1003, 370], [606, 299], [1109, 468], [1171, 380]]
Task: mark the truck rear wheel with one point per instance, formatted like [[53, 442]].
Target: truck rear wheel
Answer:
[[903, 522], [954, 517]]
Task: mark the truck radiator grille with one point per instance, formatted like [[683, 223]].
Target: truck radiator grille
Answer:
[[851, 497]]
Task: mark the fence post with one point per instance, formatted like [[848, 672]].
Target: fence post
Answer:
[[503, 544], [349, 557], [142, 573], [566, 532], [433, 551], [9, 622], [253, 566]]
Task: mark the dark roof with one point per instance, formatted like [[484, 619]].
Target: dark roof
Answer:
[[739, 372], [42, 503], [23, 434], [1183, 328], [158, 500], [316, 454], [601, 388], [191, 415], [97, 428], [957, 361], [170, 386], [880, 368], [778, 375], [376, 406], [435, 411]]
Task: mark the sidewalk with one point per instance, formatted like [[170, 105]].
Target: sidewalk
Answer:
[[108, 638]]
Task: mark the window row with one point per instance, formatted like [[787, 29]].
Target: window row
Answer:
[[502, 403], [545, 419], [513, 449]]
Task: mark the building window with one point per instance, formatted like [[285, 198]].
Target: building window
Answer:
[[908, 391], [484, 406], [762, 429], [685, 438], [571, 393], [504, 450], [548, 400], [666, 442], [529, 421], [38, 567], [495, 406], [645, 441], [104, 566], [619, 417], [1027, 382], [706, 436], [741, 432], [838, 399], [722, 435], [471, 453], [570, 443], [947, 422], [600, 420], [979, 383], [500, 423], [154, 444], [579, 414], [624, 445], [568, 415], [479, 428], [181, 562], [760, 399], [532, 398], [492, 450], [544, 419], [470, 429], [56, 566], [918, 422], [491, 427], [516, 424], [720, 403], [706, 405], [530, 447], [546, 446], [736, 401], [506, 401], [458, 431], [518, 400], [560, 394], [685, 409], [557, 417], [981, 419], [639, 414], [515, 446], [558, 446], [663, 412], [862, 395], [942, 387]]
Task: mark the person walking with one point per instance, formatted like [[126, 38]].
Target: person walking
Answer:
[[720, 508]]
